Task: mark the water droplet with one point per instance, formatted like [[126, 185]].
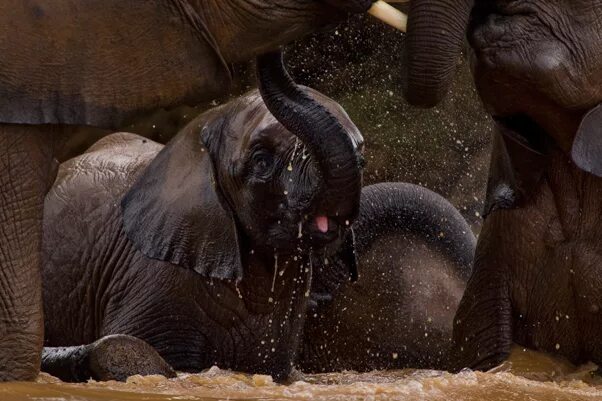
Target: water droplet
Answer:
[[275, 271]]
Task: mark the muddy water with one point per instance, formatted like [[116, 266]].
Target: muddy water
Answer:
[[526, 376]]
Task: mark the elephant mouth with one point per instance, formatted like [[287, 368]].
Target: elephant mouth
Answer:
[[316, 232], [322, 230], [523, 130]]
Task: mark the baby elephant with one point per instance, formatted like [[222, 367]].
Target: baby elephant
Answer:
[[202, 248], [213, 249]]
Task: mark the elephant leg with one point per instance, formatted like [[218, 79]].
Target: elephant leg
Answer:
[[483, 323], [27, 169], [114, 357]]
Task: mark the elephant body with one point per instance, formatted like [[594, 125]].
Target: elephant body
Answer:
[[27, 171], [415, 255], [99, 63], [70, 57], [539, 287], [536, 279]]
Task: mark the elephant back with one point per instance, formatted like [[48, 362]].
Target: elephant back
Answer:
[[106, 169], [88, 187]]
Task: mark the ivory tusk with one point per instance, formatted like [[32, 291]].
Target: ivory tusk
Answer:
[[389, 15]]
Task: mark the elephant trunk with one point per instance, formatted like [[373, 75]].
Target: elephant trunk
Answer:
[[436, 31], [325, 137]]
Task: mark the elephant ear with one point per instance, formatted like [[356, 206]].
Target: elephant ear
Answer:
[[101, 62], [515, 171], [587, 146], [175, 212]]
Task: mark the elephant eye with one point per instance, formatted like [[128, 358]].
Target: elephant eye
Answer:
[[263, 162]]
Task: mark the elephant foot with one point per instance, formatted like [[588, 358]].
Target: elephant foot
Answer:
[[118, 357], [114, 357], [20, 354]]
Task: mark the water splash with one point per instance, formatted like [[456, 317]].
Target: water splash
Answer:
[[275, 271], [292, 159]]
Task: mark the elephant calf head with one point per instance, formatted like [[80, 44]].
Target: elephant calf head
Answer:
[[273, 180], [237, 181]]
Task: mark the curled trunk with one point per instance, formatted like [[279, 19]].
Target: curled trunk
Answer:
[[436, 31], [324, 136]]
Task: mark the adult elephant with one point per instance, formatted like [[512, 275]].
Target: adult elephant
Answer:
[[538, 268], [415, 254], [69, 63]]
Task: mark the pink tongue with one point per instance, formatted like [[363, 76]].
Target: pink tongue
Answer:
[[322, 223]]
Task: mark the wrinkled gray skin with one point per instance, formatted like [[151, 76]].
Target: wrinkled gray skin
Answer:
[[232, 200], [538, 267], [415, 252]]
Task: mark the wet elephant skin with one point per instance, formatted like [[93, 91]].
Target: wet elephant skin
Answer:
[[101, 63]]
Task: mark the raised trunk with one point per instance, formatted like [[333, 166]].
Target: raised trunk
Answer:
[[325, 137], [436, 31]]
